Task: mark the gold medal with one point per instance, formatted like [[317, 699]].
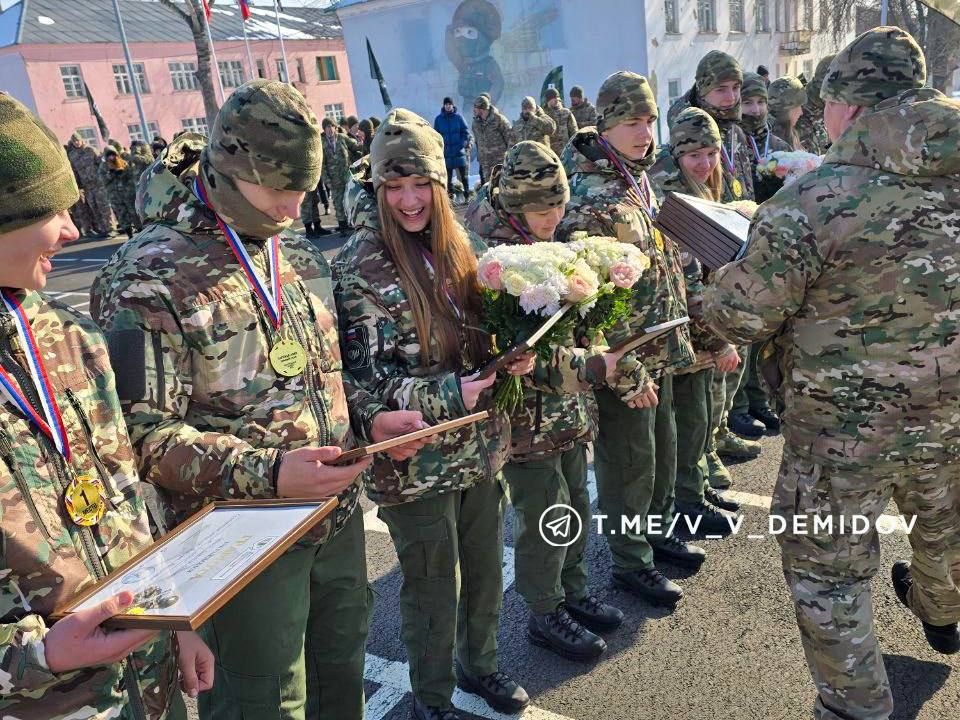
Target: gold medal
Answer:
[[658, 238], [85, 500], [288, 358], [737, 189]]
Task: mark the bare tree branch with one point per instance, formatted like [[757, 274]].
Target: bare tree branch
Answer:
[[170, 4]]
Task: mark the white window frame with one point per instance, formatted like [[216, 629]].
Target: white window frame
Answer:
[[334, 111], [738, 16], [121, 79], [183, 76], [90, 137], [231, 73], [72, 82], [707, 16], [195, 124], [282, 74], [135, 132]]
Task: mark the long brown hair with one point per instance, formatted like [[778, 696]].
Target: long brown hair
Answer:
[[455, 268], [712, 189]]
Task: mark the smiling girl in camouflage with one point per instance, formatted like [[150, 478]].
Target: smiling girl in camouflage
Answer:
[[409, 305]]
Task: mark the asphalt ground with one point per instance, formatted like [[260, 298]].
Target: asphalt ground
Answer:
[[730, 649]]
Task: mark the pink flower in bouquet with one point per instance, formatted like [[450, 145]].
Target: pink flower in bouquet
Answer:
[[490, 275], [580, 288], [624, 275]]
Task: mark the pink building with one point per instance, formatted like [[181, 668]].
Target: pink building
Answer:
[[50, 50]]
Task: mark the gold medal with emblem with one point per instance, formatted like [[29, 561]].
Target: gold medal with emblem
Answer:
[[85, 500], [658, 239], [288, 357], [737, 189]]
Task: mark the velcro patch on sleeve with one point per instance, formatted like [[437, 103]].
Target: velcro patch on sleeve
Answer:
[[356, 347]]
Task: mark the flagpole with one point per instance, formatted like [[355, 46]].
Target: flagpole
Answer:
[[246, 41], [133, 77], [213, 56], [276, 10]]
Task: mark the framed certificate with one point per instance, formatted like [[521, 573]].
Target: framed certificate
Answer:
[[716, 234], [649, 335], [194, 570]]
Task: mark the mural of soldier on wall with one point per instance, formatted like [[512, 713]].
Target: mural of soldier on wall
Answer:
[[475, 26]]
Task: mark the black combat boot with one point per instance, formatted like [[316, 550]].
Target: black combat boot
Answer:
[[343, 227], [701, 518], [559, 632], [422, 712], [676, 552], [768, 417], [597, 616], [498, 689], [944, 639], [649, 584], [718, 499], [745, 426]]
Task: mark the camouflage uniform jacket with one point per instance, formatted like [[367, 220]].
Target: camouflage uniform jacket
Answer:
[[733, 137], [539, 127], [47, 558], [557, 410], [381, 350], [566, 127], [600, 205], [765, 185], [121, 187], [336, 158], [85, 163], [813, 135], [585, 114], [208, 415], [705, 342], [493, 139], [853, 271]]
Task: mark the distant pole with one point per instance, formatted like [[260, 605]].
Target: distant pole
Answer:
[[133, 77], [246, 41], [286, 68], [884, 10], [213, 57]]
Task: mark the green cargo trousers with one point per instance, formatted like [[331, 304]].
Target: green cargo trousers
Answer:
[[290, 645], [692, 412], [724, 389], [750, 395], [546, 575], [829, 572], [450, 549], [636, 465]]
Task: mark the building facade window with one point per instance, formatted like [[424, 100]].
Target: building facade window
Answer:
[[183, 75], [89, 136], [334, 111], [808, 69], [808, 14], [261, 70], [122, 79], [301, 73], [136, 132], [737, 21], [762, 13], [231, 73], [674, 90], [671, 15], [707, 16], [327, 68], [282, 71], [197, 124], [72, 81]]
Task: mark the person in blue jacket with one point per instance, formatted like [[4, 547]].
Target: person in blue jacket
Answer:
[[456, 145]]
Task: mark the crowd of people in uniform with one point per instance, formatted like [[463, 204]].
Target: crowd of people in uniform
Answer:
[[845, 301]]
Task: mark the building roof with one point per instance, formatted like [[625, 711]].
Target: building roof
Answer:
[[30, 22]]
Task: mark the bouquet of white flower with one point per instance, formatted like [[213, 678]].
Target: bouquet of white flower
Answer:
[[790, 165], [523, 285]]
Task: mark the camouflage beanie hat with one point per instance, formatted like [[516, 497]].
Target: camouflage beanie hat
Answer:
[[753, 86], [624, 95], [880, 64], [531, 179], [576, 91], [528, 103], [714, 68], [405, 145], [266, 134], [693, 129], [482, 102], [814, 101], [786, 93], [551, 93], [36, 180]]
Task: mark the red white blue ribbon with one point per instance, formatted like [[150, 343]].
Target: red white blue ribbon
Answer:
[[756, 150], [518, 228], [645, 194], [51, 422], [729, 156], [271, 300]]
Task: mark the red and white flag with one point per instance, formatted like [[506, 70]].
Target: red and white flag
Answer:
[[244, 9]]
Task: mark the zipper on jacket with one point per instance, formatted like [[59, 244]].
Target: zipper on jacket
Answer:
[[158, 359], [88, 434], [132, 680], [6, 451]]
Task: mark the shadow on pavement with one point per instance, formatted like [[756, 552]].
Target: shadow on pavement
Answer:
[[913, 682]]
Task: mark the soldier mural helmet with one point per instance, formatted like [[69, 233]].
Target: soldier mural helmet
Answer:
[[531, 179]]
